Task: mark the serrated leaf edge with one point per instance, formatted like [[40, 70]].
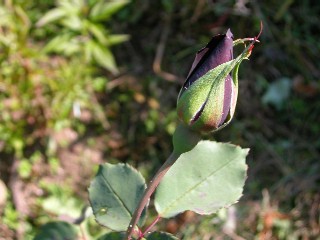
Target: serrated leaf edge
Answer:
[[245, 151], [121, 165]]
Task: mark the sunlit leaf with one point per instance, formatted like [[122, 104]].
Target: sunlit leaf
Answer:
[[114, 195], [51, 16], [117, 38], [104, 10], [59, 206], [97, 31], [88, 50], [57, 231], [104, 58], [207, 178], [73, 22], [57, 43], [72, 7], [64, 43], [99, 83]]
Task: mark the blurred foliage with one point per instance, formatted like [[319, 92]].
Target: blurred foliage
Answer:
[[57, 230], [82, 33], [40, 92], [65, 105]]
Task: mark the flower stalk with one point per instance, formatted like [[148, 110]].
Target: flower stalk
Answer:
[[206, 103], [148, 192]]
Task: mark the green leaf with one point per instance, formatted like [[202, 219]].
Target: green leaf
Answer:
[[117, 38], [58, 205], [88, 50], [203, 180], [65, 44], [161, 236], [57, 43], [72, 7], [104, 10], [114, 195], [51, 16], [25, 168], [57, 231], [104, 57], [97, 31], [278, 93], [99, 83], [112, 236], [73, 22]]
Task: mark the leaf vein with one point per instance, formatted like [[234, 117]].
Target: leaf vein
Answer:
[[173, 203], [117, 196]]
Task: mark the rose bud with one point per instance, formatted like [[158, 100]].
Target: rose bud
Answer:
[[208, 97]]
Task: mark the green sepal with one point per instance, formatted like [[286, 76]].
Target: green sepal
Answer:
[[207, 93]]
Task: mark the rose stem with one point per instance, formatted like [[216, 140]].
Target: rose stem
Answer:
[[148, 192], [154, 222]]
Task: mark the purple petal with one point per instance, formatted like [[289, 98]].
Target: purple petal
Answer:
[[228, 91], [218, 51]]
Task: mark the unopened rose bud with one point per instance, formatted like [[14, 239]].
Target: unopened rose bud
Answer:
[[208, 97]]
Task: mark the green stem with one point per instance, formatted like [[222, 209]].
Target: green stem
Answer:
[[150, 189]]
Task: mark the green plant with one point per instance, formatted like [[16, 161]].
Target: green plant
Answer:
[[17, 72], [40, 93], [82, 31], [200, 175]]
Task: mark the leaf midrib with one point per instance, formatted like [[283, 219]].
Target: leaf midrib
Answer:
[[194, 186], [117, 196]]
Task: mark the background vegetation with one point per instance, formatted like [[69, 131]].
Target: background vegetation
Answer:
[[87, 82]]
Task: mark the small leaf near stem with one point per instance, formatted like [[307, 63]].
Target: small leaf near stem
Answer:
[[110, 195]]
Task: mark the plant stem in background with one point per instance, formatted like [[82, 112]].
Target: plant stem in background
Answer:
[[150, 189]]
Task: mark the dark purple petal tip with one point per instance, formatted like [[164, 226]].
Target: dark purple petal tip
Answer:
[[218, 51]]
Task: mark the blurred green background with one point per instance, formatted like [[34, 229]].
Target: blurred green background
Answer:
[[84, 82]]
